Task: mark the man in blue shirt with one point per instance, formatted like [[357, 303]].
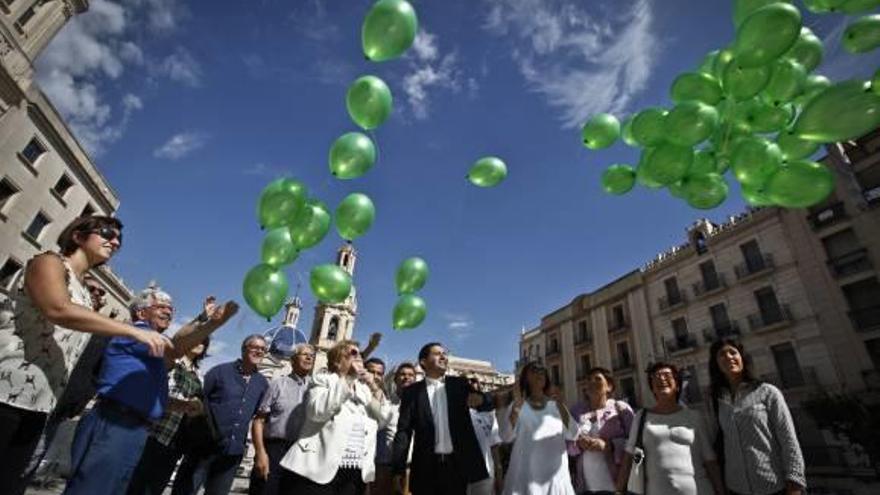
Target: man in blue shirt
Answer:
[[232, 392], [132, 392]]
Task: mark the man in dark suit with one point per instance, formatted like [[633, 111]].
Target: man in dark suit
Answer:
[[446, 455]]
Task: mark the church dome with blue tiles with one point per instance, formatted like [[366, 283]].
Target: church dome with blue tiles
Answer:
[[284, 338]]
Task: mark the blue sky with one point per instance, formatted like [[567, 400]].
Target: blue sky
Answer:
[[190, 108]]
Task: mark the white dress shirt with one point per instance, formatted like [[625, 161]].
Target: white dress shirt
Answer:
[[440, 412]]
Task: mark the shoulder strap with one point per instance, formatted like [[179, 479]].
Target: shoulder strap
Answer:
[[639, 436]]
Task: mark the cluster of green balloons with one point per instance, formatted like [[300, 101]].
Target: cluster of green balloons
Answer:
[[410, 310], [754, 109]]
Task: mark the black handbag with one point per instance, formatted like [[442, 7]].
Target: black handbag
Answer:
[[198, 435]]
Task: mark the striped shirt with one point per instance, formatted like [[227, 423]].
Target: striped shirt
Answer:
[[761, 449]]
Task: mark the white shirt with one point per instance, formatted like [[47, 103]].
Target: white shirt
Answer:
[[486, 429], [440, 412]]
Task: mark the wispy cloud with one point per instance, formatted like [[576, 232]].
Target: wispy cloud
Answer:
[[182, 67], [161, 16], [261, 169], [460, 325], [181, 145], [580, 63], [428, 71]]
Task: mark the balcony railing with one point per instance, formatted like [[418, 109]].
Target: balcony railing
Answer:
[[618, 326], [764, 319], [553, 352], [618, 364], [672, 301], [755, 266], [830, 215], [710, 284], [711, 334], [850, 263], [865, 319], [806, 378], [681, 343], [581, 340]]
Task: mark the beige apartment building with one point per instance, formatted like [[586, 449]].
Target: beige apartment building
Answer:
[[46, 178], [798, 287], [484, 371]]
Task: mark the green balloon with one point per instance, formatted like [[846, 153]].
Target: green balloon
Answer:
[[310, 228], [643, 177], [707, 66], [799, 184], [863, 35], [786, 82], [766, 34], [743, 8], [352, 155], [764, 117], [278, 248], [845, 111], [722, 60], [265, 289], [389, 30], [742, 83], [794, 148], [330, 283], [813, 86], [875, 83], [807, 50], [727, 137], [409, 312], [705, 191], [600, 131], [487, 172], [281, 202], [858, 6], [754, 160], [696, 86], [648, 126], [668, 163], [626, 134], [676, 189], [755, 196], [618, 179], [354, 216], [823, 6], [411, 275], [691, 123], [704, 163], [368, 101]]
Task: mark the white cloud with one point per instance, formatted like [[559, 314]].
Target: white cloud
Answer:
[[581, 64], [161, 15], [182, 67], [459, 324], [428, 72], [181, 144]]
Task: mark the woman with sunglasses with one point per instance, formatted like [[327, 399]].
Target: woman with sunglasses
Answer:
[[759, 448], [41, 344], [539, 426], [676, 451], [337, 445]]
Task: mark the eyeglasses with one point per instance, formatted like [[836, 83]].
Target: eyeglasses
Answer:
[[108, 234], [306, 354], [664, 375], [163, 306], [95, 289], [257, 349]]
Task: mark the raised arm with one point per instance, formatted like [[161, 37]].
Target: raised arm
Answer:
[[196, 331], [46, 285], [326, 396]]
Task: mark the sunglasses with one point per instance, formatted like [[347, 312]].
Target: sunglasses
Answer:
[[96, 290], [354, 353], [108, 234]]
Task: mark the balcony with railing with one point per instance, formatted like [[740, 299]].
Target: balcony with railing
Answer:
[[553, 352], [866, 319], [681, 344], [710, 285], [618, 326], [713, 333], [853, 262], [827, 216], [766, 320], [582, 340], [672, 301], [622, 364], [806, 378], [754, 267]]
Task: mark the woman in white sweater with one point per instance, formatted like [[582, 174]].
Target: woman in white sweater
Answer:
[[337, 444]]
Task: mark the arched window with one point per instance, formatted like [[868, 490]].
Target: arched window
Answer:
[[333, 328]]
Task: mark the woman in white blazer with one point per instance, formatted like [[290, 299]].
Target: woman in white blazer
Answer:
[[337, 444]]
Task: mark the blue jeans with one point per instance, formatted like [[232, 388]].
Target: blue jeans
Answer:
[[106, 449], [215, 472]]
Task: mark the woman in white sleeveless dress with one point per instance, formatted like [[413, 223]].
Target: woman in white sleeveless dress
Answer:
[[539, 425]]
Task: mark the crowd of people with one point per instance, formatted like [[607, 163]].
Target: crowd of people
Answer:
[[355, 427]]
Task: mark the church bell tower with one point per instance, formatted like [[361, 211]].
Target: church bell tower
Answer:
[[334, 323]]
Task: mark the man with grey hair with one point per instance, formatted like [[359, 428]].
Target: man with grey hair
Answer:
[[279, 419], [232, 393], [133, 392]]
